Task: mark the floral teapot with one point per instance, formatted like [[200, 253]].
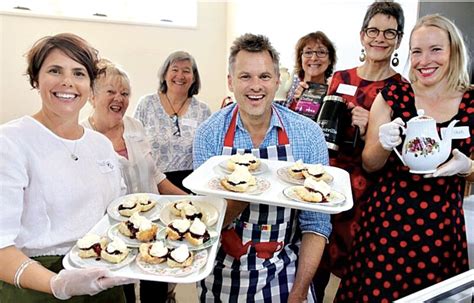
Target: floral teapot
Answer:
[[423, 150]]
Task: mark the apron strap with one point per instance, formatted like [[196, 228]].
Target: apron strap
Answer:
[[230, 134]]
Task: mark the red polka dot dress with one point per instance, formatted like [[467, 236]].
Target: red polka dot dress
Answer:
[[412, 232]]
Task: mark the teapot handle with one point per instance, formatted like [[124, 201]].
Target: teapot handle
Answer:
[[396, 150]]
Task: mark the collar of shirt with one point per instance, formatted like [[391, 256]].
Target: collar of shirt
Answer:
[[274, 123]]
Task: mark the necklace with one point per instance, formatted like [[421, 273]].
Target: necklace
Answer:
[[176, 113], [74, 157]]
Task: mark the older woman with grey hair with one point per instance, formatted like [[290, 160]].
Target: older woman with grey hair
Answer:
[[172, 114]]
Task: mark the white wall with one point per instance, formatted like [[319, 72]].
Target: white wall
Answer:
[[139, 49], [284, 22]]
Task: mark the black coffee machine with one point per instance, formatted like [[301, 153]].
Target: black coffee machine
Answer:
[[332, 121]]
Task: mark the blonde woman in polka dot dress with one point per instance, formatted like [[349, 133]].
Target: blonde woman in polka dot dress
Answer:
[[412, 232]]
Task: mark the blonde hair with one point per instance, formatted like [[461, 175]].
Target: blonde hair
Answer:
[[107, 70], [458, 76]]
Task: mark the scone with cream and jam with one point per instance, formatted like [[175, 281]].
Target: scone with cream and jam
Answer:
[[297, 169], [115, 251], [178, 206], [138, 227], [191, 212], [91, 245], [145, 202], [247, 160], [129, 206], [197, 233], [314, 191], [317, 172], [239, 181], [177, 229], [180, 257], [154, 253]]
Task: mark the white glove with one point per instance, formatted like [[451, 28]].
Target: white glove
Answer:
[[459, 164], [86, 281], [389, 134]]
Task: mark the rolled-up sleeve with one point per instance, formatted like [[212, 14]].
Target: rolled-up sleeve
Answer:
[[314, 222]]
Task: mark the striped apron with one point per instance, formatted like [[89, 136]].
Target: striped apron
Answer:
[[256, 261]]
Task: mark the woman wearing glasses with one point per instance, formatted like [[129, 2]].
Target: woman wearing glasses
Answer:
[[380, 36], [110, 99], [171, 116], [315, 58]]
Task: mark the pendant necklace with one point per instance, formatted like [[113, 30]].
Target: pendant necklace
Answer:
[[74, 157], [176, 113]]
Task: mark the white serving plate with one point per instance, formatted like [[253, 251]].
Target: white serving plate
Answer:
[[133, 270], [198, 182]]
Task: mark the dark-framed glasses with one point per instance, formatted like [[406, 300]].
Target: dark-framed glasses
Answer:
[[175, 120], [320, 53], [389, 34]]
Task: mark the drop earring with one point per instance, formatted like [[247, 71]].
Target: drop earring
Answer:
[[395, 60], [362, 55]]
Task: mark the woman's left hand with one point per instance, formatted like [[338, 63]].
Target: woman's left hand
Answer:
[[360, 117], [459, 164]]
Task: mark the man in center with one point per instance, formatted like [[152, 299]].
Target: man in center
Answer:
[[263, 271]]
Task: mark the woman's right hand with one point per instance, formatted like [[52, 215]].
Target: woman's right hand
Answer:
[[300, 89], [389, 134], [85, 281]]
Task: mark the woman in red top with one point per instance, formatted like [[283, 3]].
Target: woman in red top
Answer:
[[380, 36]]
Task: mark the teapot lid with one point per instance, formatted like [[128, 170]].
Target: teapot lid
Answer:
[[420, 116]]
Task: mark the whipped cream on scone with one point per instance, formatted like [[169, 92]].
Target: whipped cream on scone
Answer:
[[247, 160], [191, 212], [91, 245], [177, 229], [317, 172], [314, 191], [239, 180], [145, 202], [154, 253], [178, 206], [180, 257], [158, 249], [139, 227], [115, 251], [129, 206], [296, 170], [198, 233]]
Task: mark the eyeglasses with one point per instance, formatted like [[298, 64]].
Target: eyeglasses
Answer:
[[320, 53], [389, 34], [175, 120]]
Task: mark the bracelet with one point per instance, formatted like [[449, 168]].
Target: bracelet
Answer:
[[20, 270], [469, 172]]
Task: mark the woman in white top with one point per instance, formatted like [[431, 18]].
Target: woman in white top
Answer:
[[57, 179], [110, 101], [171, 116]]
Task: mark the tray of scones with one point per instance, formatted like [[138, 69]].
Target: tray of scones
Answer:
[[178, 244], [298, 185]]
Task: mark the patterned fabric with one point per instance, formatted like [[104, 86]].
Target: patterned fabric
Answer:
[[263, 274], [171, 153], [412, 232], [350, 159]]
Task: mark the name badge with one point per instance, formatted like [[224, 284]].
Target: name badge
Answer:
[[189, 122], [459, 132], [106, 166], [346, 89]]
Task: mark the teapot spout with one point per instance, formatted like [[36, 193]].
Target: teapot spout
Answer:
[[445, 143]]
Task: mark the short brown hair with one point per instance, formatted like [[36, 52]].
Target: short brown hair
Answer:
[[314, 37], [73, 46], [254, 44], [388, 8]]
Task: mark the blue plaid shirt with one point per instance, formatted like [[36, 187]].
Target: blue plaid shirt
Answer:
[[306, 140]]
